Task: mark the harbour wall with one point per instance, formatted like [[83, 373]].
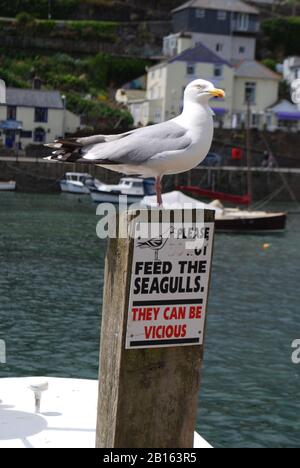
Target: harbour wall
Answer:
[[38, 176]]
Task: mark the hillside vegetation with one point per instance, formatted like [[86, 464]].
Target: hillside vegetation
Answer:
[[281, 37], [86, 82], [119, 10]]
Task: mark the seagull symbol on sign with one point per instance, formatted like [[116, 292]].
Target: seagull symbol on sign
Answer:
[[157, 243]]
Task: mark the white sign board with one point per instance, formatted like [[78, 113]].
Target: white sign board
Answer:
[[169, 290]]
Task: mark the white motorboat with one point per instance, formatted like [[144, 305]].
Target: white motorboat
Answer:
[[7, 186], [135, 190], [226, 219], [78, 183], [67, 417]]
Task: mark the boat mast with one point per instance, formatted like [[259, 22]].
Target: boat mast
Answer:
[[249, 151]]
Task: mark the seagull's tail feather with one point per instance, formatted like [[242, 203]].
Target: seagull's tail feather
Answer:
[[66, 150], [70, 149]]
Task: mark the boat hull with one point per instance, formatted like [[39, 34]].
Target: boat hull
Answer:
[[7, 186], [99, 196], [263, 224], [68, 187]]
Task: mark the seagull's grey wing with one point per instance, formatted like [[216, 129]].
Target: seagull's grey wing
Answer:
[[139, 146]]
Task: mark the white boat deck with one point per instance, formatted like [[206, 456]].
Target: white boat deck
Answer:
[[67, 418]]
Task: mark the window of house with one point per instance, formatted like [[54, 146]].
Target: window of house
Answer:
[[190, 69], [219, 47], [269, 120], [250, 93], [255, 120], [11, 113], [200, 13], [243, 22], [218, 71], [222, 15], [157, 116], [242, 50], [25, 134], [41, 114], [39, 135]]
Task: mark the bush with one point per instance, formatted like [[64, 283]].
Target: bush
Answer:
[[60, 9], [270, 63], [107, 70], [282, 35], [11, 80], [24, 19], [95, 112]]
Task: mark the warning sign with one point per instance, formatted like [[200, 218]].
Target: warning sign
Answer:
[[169, 290]]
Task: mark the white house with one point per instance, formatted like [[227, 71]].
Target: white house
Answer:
[[256, 85], [284, 116], [291, 69], [167, 81], [228, 28], [246, 83], [135, 101], [34, 116]]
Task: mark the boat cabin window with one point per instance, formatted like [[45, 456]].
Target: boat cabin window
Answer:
[[136, 184]]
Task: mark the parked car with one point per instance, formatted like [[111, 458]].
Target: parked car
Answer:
[[212, 160]]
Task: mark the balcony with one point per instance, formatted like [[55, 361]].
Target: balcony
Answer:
[[245, 27]]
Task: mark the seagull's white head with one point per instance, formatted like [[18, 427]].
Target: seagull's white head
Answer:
[[200, 91]]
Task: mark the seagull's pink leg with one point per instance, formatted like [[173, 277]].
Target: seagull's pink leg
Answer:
[[158, 191]]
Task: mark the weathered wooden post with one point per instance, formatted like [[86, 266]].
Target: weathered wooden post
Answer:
[[152, 339]]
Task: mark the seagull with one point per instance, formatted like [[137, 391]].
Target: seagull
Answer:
[[172, 147]]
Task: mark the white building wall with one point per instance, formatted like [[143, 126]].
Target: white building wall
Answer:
[[228, 47], [266, 96], [2, 112], [156, 92], [54, 128], [72, 122], [289, 72], [266, 93], [249, 46]]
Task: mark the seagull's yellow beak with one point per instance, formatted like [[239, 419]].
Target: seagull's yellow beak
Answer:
[[217, 93]]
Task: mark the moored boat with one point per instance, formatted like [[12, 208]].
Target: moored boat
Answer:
[[78, 183], [135, 190], [233, 220], [7, 186]]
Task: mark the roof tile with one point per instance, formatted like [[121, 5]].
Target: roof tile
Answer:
[[33, 98]]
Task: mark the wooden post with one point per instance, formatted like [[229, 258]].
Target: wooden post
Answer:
[[147, 397]]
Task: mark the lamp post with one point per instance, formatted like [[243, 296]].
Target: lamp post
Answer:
[[64, 100], [249, 152]]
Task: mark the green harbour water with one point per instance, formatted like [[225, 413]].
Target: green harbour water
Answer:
[[51, 279]]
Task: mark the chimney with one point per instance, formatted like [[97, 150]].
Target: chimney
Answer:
[[36, 83]]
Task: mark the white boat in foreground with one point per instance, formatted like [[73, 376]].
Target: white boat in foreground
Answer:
[[78, 183], [134, 188], [67, 417], [8, 186], [227, 219]]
